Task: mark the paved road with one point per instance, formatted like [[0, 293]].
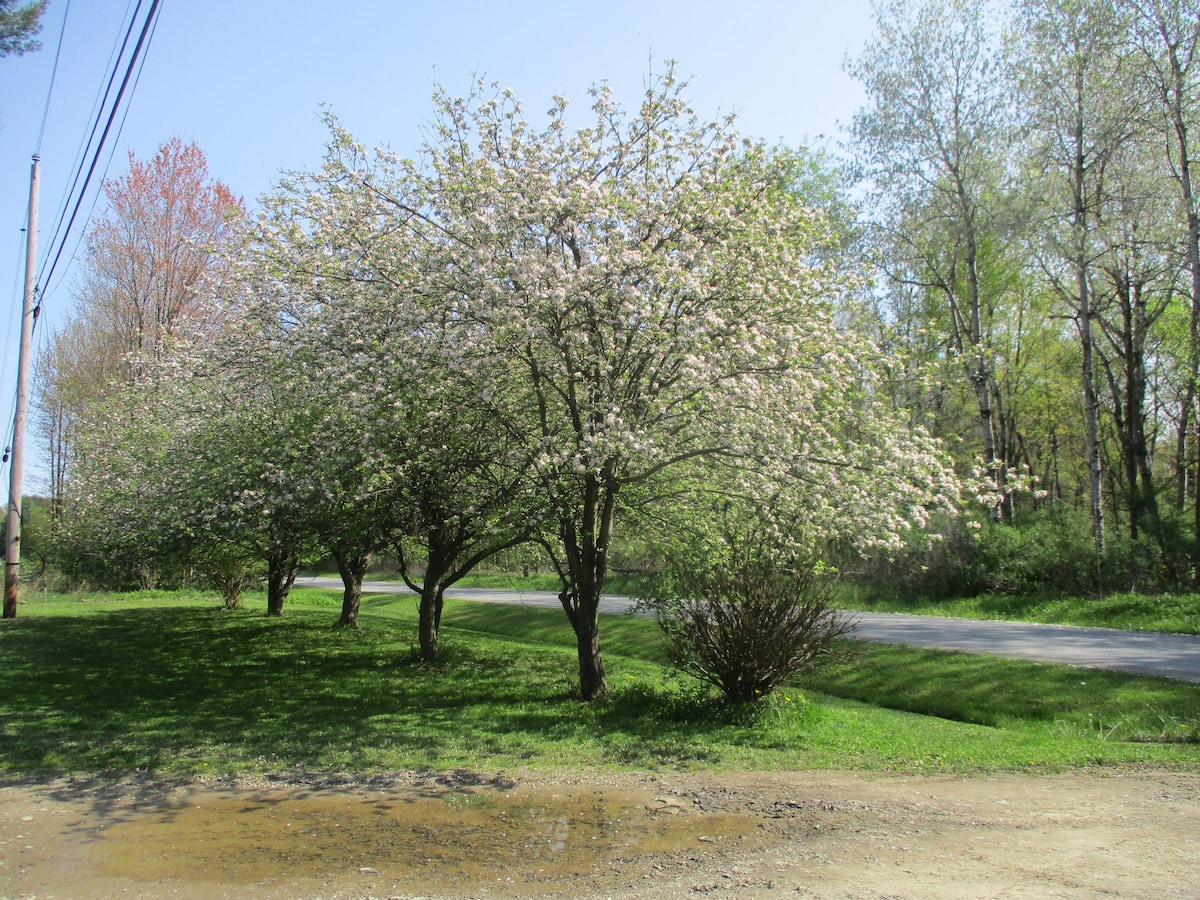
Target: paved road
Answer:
[[1143, 652]]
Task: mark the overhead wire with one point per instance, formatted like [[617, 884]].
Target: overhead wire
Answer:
[[42, 335], [61, 234], [53, 77], [101, 99], [132, 72], [47, 290], [18, 285]]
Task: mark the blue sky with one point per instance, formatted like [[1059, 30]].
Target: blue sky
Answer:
[[247, 80]]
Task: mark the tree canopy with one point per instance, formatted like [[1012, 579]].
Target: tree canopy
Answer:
[[617, 324], [525, 334], [19, 26]]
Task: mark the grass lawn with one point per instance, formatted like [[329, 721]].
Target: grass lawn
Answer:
[[171, 682]]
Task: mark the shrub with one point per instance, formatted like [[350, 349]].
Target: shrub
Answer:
[[949, 567], [750, 623], [1047, 552]]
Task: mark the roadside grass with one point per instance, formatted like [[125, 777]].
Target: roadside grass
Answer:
[[1177, 613], [616, 583], [545, 581], [175, 683]]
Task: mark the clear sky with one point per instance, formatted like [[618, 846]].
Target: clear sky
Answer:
[[246, 80]]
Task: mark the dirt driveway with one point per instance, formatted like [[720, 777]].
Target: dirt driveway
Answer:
[[598, 835]]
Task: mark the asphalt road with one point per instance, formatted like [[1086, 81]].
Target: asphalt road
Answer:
[[1142, 652]]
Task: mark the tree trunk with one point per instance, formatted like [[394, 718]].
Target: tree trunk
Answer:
[[582, 605], [441, 551], [1143, 505], [592, 682], [1129, 397], [1193, 239], [1182, 463], [1081, 263], [981, 374], [281, 575], [430, 618], [1175, 98], [1091, 404], [981, 383], [351, 566], [59, 449], [230, 583], [586, 546], [450, 554]]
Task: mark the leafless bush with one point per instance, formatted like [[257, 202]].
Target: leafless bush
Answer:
[[750, 624]]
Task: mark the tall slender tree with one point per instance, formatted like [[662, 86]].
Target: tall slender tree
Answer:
[[1078, 98], [1167, 34], [931, 139], [1137, 278]]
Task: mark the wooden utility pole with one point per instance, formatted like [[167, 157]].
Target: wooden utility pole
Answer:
[[12, 546]]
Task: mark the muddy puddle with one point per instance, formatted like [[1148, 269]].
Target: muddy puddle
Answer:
[[463, 840]]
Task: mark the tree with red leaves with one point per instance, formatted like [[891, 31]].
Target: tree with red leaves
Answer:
[[150, 255]]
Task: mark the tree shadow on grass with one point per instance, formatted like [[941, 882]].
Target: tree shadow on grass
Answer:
[[192, 690], [151, 689]]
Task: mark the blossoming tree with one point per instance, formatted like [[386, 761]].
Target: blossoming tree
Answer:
[[527, 331], [650, 294], [331, 297]]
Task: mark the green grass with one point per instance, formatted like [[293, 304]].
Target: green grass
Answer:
[[174, 683], [546, 581], [1178, 613], [618, 583]]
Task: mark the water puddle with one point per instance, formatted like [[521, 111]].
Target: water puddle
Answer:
[[460, 839]]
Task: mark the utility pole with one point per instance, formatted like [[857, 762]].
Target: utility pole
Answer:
[[12, 546]]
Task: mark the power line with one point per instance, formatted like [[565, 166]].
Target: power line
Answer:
[[133, 62], [20, 252], [53, 76], [132, 72], [93, 118], [46, 289], [97, 116]]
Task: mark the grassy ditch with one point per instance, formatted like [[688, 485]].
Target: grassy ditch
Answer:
[[1176, 613], [175, 683], [616, 583]]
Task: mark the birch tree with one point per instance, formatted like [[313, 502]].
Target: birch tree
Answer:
[[1137, 278]]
